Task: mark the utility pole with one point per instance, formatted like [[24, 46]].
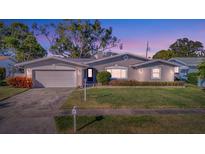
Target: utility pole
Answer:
[[147, 49]]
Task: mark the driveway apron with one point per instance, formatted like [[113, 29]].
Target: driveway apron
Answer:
[[32, 111]]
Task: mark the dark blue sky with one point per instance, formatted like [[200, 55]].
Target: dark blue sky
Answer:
[[134, 33]]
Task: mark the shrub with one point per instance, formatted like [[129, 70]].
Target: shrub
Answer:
[[192, 78], [19, 82], [146, 83], [201, 68], [103, 77], [3, 83], [2, 73]]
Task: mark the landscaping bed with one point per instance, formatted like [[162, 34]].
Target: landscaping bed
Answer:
[[159, 124], [147, 97], [145, 83]]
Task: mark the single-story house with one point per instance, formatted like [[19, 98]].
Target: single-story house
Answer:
[[7, 62], [68, 72], [186, 65]]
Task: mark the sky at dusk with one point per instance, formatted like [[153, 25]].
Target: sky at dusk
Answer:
[[135, 33]]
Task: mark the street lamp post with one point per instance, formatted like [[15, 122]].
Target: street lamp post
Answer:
[[74, 113], [85, 92]]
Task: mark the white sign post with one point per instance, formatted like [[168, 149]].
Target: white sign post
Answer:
[[74, 112], [85, 97]]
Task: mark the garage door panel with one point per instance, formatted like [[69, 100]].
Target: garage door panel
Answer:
[[55, 78]]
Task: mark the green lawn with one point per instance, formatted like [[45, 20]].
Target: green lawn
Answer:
[[6, 91], [167, 124], [189, 97]]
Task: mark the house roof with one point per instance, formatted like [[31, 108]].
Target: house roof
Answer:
[[52, 57], [189, 61], [78, 61], [111, 57], [153, 61]]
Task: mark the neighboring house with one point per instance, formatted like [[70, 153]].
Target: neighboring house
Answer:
[[67, 72], [186, 65], [8, 63]]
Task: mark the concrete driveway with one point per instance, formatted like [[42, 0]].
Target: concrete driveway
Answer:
[[32, 111]]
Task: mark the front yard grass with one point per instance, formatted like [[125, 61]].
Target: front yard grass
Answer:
[[6, 91], [146, 98], [160, 124]]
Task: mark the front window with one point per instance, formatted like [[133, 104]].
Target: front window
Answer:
[[90, 73], [156, 73], [118, 73], [176, 70]]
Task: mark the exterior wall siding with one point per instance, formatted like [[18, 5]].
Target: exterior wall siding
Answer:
[[120, 61], [167, 71], [145, 73]]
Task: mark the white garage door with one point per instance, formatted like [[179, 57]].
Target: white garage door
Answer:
[[54, 78]]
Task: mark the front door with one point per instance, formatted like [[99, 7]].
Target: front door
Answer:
[[90, 75]]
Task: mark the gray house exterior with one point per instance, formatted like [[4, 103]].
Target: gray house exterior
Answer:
[[186, 65], [53, 72], [67, 72]]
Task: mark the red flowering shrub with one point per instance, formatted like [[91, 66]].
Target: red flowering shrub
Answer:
[[19, 82], [145, 83]]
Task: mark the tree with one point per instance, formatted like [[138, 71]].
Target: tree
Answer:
[[2, 34], [164, 54], [77, 38], [182, 48], [31, 49], [201, 68], [18, 38], [187, 48]]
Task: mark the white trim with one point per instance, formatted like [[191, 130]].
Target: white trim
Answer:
[[178, 61], [160, 73]]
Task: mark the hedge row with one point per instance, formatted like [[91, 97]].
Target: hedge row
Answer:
[[148, 83], [19, 82]]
